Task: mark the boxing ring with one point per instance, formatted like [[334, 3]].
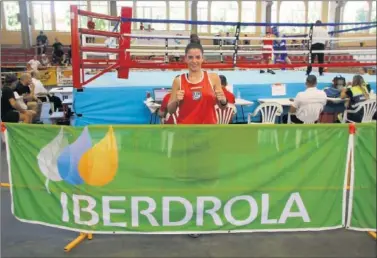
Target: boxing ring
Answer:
[[129, 72]]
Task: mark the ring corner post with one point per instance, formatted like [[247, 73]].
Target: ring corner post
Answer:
[[125, 43], [75, 47]]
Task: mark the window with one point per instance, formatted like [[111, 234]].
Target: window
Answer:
[[224, 11], [248, 14], [1, 15], [42, 15], [315, 11], [151, 10], [121, 4], [373, 16], [100, 7], [355, 11], [62, 14], [177, 12], [291, 12], [202, 15], [11, 10]]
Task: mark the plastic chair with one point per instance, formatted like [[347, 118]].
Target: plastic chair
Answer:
[[167, 137], [369, 107], [225, 115], [299, 131], [269, 112]]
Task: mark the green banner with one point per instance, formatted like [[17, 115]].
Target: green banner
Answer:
[[181, 179], [362, 206]]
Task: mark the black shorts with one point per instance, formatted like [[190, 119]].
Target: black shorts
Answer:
[[11, 116]]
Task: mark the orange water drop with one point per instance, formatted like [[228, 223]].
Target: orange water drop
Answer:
[[98, 166]]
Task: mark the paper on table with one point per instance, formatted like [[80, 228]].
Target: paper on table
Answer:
[[278, 89]]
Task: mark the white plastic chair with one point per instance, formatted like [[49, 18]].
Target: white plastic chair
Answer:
[[167, 137], [225, 115], [269, 111], [369, 107], [299, 131]]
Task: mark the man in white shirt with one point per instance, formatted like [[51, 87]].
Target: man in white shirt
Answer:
[[39, 89], [308, 104], [34, 64], [318, 43]]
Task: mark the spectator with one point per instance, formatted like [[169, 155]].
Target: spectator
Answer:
[[25, 88], [42, 42], [58, 52], [39, 89], [57, 45], [364, 71], [68, 57], [246, 41], [355, 94], [91, 26], [308, 104], [11, 112], [332, 109], [163, 111], [229, 96], [45, 61], [34, 64]]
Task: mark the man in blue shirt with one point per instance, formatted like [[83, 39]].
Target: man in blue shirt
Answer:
[[280, 45]]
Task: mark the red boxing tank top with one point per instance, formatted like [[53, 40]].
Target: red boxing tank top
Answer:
[[268, 43], [198, 104]]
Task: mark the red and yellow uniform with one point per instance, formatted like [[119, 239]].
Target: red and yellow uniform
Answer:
[[198, 104]]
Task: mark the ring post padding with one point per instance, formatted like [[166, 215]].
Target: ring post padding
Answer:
[[75, 48], [166, 58], [310, 46], [125, 43], [238, 30]]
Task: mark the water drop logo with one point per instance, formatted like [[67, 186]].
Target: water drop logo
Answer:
[[80, 162]]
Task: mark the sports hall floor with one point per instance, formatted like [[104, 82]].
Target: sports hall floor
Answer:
[[26, 240]]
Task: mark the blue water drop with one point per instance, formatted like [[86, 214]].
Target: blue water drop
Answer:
[[69, 158]]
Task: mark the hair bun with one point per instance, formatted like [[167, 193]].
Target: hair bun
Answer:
[[194, 38]]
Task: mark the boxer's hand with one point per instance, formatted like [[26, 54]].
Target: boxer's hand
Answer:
[[180, 95], [220, 95]]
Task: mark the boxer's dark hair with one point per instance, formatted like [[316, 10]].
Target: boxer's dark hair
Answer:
[[193, 46]]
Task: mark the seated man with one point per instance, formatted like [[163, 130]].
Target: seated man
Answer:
[[308, 104], [25, 88], [163, 111], [11, 111], [332, 109], [45, 61], [39, 90], [34, 64], [229, 96]]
